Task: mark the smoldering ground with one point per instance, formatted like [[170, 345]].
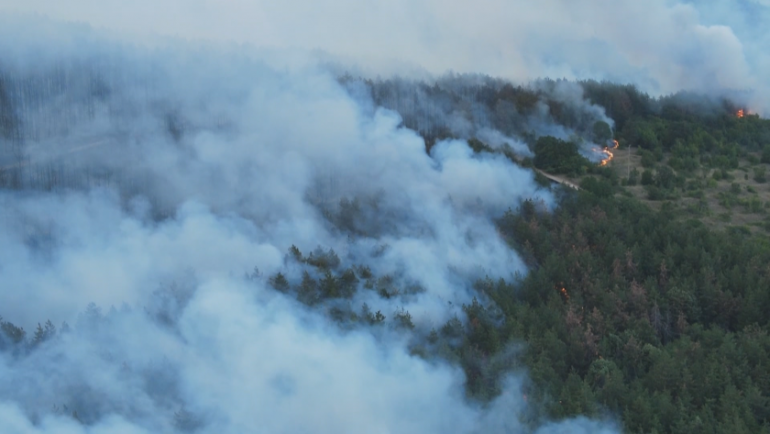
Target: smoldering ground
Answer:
[[151, 197]]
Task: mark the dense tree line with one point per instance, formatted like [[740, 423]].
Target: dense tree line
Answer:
[[660, 320], [640, 313]]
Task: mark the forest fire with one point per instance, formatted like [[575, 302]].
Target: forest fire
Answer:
[[740, 113], [564, 293], [607, 151]]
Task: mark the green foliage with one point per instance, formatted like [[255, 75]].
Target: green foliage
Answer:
[[307, 292], [296, 254], [602, 132], [659, 320], [372, 318], [10, 334], [348, 283], [483, 332], [44, 333], [541, 179], [760, 174], [622, 102], [664, 318], [323, 260], [478, 146], [648, 159], [735, 188], [596, 186], [665, 177], [403, 319], [647, 178], [328, 285], [558, 156], [641, 133], [279, 282], [765, 154], [633, 177]]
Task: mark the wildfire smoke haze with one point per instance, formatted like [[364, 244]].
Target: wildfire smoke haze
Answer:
[[207, 175], [253, 241]]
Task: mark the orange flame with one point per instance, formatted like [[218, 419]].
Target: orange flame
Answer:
[[607, 151], [740, 113], [564, 293]]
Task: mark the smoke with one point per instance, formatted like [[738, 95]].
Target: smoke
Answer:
[[711, 46], [506, 119], [187, 158], [233, 365], [151, 197], [148, 175]]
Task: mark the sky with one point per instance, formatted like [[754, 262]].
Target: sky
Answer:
[[661, 45]]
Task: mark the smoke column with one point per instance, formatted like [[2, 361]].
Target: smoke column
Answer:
[[151, 195]]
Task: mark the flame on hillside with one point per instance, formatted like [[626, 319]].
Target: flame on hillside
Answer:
[[564, 293], [740, 113], [607, 151]]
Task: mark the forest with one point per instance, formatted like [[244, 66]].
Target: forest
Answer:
[[642, 311], [646, 313], [645, 295]]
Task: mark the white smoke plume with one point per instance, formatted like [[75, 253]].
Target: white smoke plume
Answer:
[[502, 116], [149, 181], [664, 46]]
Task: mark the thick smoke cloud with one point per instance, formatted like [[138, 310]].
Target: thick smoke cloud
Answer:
[[664, 46], [468, 107], [233, 366], [150, 181], [239, 153], [148, 176]]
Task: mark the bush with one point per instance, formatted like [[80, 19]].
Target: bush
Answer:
[[541, 180], [765, 155], [647, 178], [633, 178], [648, 160], [665, 177], [558, 156], [596, 186], [655, 193]]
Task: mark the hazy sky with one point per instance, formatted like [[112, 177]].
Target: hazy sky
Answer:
[[662, 45]]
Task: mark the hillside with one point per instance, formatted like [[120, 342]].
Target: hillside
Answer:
[[193, 246]]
